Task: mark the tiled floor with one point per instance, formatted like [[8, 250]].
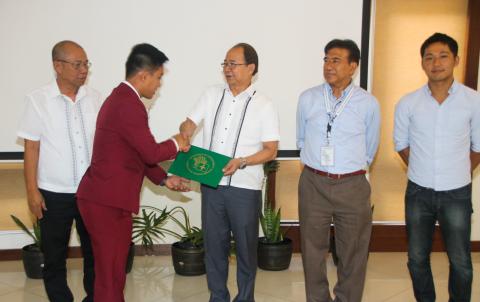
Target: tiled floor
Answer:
[[153, 279]]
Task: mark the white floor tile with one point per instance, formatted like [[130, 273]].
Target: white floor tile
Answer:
[[22, 296], [154, 280]]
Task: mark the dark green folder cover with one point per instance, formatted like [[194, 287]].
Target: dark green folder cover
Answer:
[[200, 165]]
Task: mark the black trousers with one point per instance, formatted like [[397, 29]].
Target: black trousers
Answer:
[[55, 228], [228, 210]]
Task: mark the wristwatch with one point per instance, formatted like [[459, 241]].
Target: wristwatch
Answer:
[[243, 163]]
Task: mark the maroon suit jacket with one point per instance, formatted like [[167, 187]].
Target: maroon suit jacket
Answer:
[[124, 151]]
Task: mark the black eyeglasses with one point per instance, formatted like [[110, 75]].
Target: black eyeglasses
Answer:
[[77, 64], [232, 65]]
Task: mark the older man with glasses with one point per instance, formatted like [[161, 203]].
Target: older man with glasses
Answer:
[[338, 127], [58, 127], [241, 123]]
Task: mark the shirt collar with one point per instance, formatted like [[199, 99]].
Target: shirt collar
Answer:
[[133, 88], [53, 91], [452, 90], [247, 92], [344, 92]]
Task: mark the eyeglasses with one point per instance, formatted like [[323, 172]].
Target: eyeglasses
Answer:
[[77, 64], [232, 65], [334, 60]]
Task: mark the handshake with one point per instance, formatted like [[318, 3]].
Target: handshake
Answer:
[[173, 182], [187, 128], [183, 142]]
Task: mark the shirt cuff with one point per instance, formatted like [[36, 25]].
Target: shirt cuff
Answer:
[[194, 118], [176, 144], [400, 146], [475, 148], [24, 135]]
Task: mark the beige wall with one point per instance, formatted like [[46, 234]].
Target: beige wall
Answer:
[[12, 196], [400, 29], [286, 193]]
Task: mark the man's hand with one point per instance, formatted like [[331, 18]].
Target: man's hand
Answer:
[[187, 128], [183, 142], [177, 183], [474, 160], [36, 203], [232, 166], [404, 155]]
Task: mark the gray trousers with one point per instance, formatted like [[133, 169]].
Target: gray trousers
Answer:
[[346, 201], [227, 210]]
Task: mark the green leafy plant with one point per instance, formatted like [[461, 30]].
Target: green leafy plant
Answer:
[[150, 226], [192, 236], [270, 166], [270, 219], [37, 239]]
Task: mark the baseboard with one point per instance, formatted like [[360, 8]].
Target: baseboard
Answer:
[[385, 238], [76, 252]]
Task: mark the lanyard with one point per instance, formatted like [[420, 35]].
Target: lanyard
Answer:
[[337, 110]]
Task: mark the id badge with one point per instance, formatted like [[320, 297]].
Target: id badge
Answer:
[[326, 156]]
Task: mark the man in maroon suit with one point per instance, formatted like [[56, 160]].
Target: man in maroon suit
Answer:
[[124, 151]]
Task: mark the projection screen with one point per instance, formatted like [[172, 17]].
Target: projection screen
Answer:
[[289, 37]]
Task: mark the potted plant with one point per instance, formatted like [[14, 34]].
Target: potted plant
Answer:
[[188, 253], [32, 255], [274, 250], [147, 227]]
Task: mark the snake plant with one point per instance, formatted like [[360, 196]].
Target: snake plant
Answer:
[[35, 234], [270, 219]]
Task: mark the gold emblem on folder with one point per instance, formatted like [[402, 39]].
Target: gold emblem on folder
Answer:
[[200, 164]]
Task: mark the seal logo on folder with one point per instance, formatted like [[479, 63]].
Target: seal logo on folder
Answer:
[[200, 164]]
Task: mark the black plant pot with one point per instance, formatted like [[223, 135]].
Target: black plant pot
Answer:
[[33, 261], [131, 255], [188, 260], [274, 256]]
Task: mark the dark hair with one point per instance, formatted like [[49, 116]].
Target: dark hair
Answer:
[[354, 52], [144, 56], [442, 38], [58, 50], [250, 54]]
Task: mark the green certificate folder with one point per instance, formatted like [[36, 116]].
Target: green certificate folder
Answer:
[[200, 165]]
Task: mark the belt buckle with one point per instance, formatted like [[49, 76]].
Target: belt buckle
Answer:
[[333, 176]]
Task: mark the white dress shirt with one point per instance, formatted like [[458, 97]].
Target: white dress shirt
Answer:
[[260, 124], [65, 130], [440, 136]]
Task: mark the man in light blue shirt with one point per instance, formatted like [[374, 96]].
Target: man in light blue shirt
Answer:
[[338, 127], [437, 134]]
